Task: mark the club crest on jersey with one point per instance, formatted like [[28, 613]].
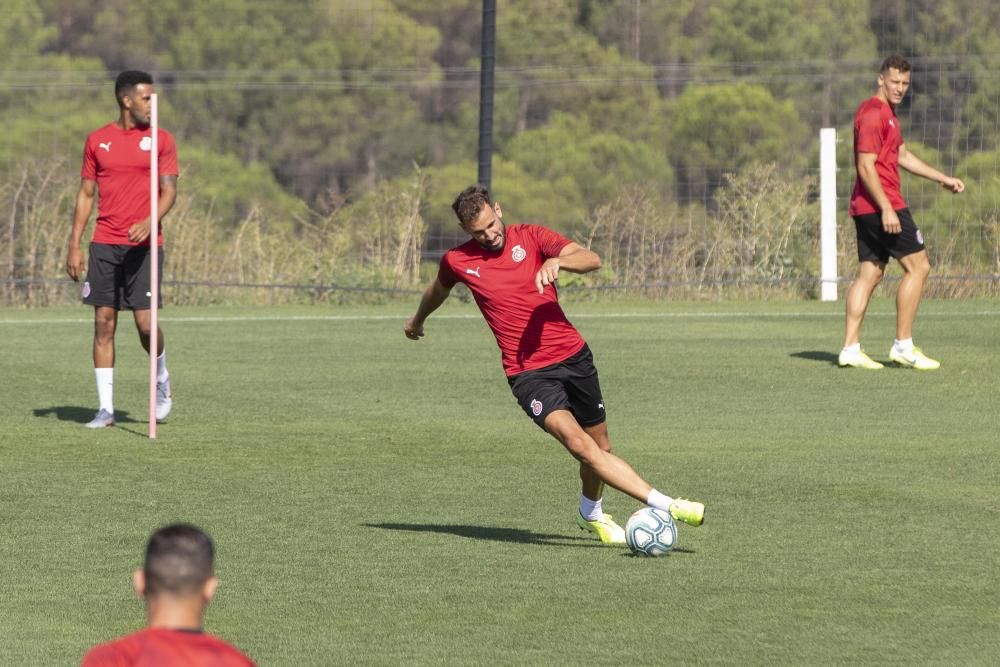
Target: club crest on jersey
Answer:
[[146, 144], [536, 407], [518, 253]]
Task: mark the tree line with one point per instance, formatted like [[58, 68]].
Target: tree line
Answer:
[[297, 114]]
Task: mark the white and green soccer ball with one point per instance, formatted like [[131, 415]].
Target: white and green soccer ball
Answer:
[[651, 532]]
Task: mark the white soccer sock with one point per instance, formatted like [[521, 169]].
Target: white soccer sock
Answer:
[[659, 501], [105, 388], [905, 345], [590, 509], [852, 350], [161, 367]]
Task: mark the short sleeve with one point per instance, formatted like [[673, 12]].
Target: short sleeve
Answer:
[[870, 138], [446, 276], [89, 168], [549, 242], [168, 155]]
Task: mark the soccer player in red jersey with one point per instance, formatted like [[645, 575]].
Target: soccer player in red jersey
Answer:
[[177, 583], [512, 273], [116, 170], [883, 222]]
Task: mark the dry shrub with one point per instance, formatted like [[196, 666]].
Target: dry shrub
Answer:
[[762, 239]]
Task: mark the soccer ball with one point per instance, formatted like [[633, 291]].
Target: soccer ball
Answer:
[[650, 532]]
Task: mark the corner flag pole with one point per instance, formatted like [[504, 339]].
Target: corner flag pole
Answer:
[[154, 257]]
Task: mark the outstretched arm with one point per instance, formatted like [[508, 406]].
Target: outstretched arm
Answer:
[[573, 258], [918, 167], [433, 297]]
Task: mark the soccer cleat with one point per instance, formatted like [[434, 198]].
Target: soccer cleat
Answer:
[[102, 419], [164, 400], [915, 358], [605, 528], [688, 511], [859, 360]]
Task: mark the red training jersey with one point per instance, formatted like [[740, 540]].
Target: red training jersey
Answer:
[[876, 130], [162, 647], [118, 160], [531, 329]]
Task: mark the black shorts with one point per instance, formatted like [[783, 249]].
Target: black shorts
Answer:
[[569, 385], [876, 245], [118, 276]]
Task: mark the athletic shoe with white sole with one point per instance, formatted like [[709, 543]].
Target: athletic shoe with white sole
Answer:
[[915, 358], [858, 360], [688, 511], [605, 528], [102, 419], [164, 400]]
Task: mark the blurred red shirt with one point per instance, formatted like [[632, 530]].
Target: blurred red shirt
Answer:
[[161, 647]]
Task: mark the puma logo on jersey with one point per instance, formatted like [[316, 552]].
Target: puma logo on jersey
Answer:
[[473, 272], [106, 146]]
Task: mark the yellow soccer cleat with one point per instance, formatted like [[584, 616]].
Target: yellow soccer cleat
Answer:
[[915, 358], [688, 511], [858, 360], [605, 528]]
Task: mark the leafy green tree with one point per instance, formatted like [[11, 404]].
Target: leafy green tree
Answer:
[[228, 189], [524, 198], [717, 129], [661, 34], [596, 163]]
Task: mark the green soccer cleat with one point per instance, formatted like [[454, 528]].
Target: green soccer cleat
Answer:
[[915, 358], [605, 528], [859, 360], [688, 511]]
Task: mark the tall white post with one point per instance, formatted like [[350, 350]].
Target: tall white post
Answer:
[[154, 266], [828, 213]]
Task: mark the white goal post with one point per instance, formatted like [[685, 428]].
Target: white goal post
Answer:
[[828, 213]]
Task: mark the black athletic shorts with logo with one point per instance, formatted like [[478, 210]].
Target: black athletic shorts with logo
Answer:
[[876, 245], [118, 276], [569, 385]]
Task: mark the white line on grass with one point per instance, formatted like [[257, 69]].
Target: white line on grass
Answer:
[[572, 315]]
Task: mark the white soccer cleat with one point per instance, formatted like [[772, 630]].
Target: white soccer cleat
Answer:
[[915, 358], [857, 360], [164, 400], [102, 419]]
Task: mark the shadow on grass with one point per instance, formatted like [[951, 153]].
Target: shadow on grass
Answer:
[[814, 355], [492, 533], [675, 550], [82, 415]]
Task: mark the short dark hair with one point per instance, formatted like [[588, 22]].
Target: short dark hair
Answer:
[[470, 202], [128, 80], [896, 62], [179, 559]]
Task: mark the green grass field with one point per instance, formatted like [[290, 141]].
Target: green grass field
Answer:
[[380, 501]]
